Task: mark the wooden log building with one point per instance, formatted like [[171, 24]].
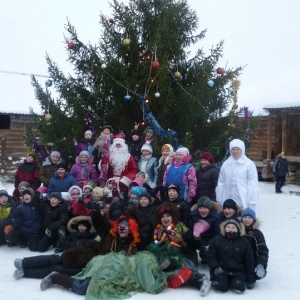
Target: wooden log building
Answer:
[[277, 132], [12, 146]]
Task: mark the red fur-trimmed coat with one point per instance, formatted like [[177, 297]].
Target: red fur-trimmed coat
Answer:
[[128, 173]]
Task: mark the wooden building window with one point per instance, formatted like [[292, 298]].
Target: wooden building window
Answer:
[[4, 121]]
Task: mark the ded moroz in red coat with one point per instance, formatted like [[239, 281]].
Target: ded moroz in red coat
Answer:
[[121, 165]]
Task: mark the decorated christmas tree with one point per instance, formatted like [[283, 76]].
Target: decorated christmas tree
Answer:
[[141, 70]]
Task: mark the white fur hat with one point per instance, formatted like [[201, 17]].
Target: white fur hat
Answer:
[[147, 146], [238, 144]]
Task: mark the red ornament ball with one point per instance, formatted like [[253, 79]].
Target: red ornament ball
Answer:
[[220, 70], [155, 65], [71, 45], [92, 72], [111, 21]]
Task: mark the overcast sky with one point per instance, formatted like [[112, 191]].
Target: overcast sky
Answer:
[[262, 34]]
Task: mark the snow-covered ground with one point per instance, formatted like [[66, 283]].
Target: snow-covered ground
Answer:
[[280, 216]]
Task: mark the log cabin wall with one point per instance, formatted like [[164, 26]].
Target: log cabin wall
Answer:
[[279, 131], [12, 146]]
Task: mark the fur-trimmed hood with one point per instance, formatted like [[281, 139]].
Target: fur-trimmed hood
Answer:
[[255, 225], [222, 228], [72, 224], [76, 187]]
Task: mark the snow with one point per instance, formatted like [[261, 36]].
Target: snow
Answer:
[[280, 217]]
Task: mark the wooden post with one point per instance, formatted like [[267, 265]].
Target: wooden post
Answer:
[[269, 140], [284, 126]]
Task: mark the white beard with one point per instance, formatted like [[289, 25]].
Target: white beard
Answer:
[[118, 158]]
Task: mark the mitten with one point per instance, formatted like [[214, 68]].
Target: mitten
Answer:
[[200, 227], [218, 271], [260, 271], [250, 286], [48, 232]]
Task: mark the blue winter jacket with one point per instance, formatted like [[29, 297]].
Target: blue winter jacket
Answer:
[[61, 184], [26, 218]]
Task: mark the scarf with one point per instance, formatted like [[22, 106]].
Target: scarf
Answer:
[[84, 171]]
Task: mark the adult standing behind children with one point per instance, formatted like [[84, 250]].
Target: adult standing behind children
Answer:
[[238, 179], [280, 170], [207, 177], [182, 173]]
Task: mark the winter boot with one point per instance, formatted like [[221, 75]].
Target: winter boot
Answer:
[[18, 274], [205, 286], [56, 278], [18, 263], [201, 282]]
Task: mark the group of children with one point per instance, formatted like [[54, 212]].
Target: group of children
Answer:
[[228, 240], [164, 210]]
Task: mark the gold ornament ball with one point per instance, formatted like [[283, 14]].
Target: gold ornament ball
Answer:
[[126, 42], [48, 117], [177, 75]]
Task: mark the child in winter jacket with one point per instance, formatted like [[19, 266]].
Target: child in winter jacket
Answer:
[[182, 207], [85, 144], [7, 207], [83, 170], [54, 219], [80, 231], [145, 212], [26, 223], [87, 194], [182, 173], [257, 242], [230, 259], [204, 222], [28, 171], [148, 164], [76, 201], [47, 169], [61, 180]]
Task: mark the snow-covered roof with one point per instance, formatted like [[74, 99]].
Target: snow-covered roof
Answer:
[[281, 105], [15, 112]]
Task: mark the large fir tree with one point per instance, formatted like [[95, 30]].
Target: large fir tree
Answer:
[[141, 70]]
